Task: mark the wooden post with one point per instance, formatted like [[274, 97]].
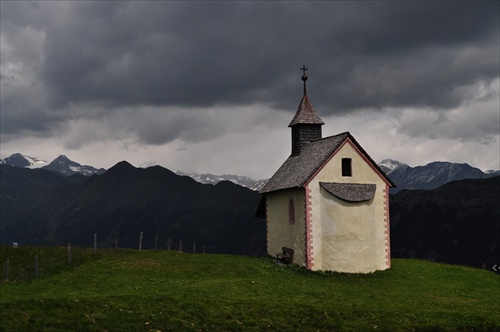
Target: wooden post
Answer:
[[169, 243], [194, 247], [180, 245], [7, 270], [69, 253], [204, 249], [36, 266], [156, 241], [116, 244], [95, 243], [140, 242]]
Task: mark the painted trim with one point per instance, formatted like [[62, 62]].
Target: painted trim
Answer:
[[309, 242], [387, 225]]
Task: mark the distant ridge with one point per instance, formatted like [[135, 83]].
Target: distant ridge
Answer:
[[62, 165], [41, 207], [430, 176], [67, 167], [457, 223], [244, 181], [23, 161]]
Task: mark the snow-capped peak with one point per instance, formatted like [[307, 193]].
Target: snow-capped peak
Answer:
[[23, 161], [244, 181], [61, 164], [148, 164], [66, 166], [389, 165]]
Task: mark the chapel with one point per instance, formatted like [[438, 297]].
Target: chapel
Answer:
[[329, 201]]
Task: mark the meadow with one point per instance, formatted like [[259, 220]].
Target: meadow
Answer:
[[173, 291]]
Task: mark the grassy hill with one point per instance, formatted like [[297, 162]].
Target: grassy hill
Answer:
[[172, 291]]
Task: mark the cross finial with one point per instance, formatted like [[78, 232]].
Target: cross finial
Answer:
[[304, 69], [304, 77]]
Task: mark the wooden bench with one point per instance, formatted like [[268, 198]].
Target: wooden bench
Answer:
[[285, 256]]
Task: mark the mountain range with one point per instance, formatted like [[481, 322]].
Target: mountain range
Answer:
[[67, 167], [41, 207], [430, 176], [61, 164], [244, 181], [457, 223]]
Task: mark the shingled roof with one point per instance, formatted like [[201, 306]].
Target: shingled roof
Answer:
[[305, 114], [297, 170]]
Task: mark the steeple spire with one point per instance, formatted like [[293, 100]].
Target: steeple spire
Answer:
[[304, 78], [306, 124], [305, 114]]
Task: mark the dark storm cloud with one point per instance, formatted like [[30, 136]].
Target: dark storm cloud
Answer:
[[207, 53], [200, 54], [162, 53]]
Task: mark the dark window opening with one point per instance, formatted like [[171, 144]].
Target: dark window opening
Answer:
[[346, 167], [291, 212]]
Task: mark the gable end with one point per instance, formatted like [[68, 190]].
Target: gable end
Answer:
[[362, 153]]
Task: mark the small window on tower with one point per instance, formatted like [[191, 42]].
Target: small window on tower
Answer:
[[291, 212], [346, 167]]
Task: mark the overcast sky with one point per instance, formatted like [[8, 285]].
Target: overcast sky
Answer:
[[212, 86]]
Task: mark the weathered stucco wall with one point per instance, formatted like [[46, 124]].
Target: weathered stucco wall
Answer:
[[280, 233], [349, 236]]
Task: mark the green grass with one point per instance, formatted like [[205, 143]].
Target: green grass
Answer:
[[171, 291]]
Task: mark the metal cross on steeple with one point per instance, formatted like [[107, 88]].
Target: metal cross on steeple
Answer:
[[304, 78]]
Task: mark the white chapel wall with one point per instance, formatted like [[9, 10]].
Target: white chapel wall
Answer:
[[347, 236], [280, 233]]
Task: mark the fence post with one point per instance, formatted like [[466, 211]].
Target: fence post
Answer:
[[95, 243], [156, 241], [140, 242], [169, 243], [194, 247], [116, 244], [69, 253], [204, 249], [36, 266], [180, 245], [7, 270]]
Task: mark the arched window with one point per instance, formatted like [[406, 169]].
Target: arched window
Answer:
[[291, 212]]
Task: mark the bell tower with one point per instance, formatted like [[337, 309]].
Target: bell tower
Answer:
[[306, 124]]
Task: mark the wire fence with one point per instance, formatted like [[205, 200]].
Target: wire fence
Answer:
[[27, 263]]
